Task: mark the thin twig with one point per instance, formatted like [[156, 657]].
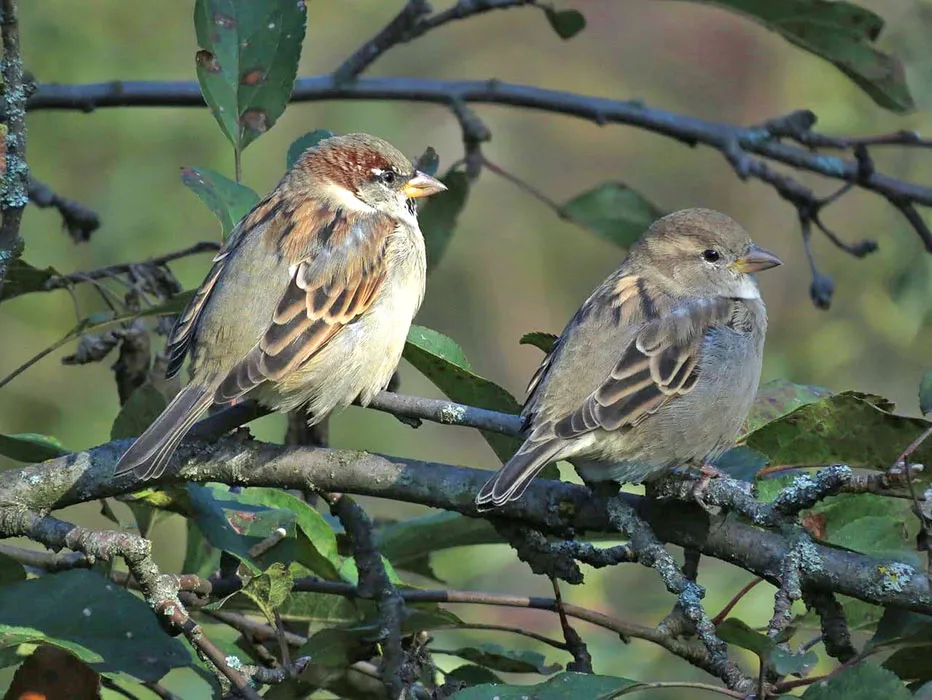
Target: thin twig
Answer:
[[80, 222], [718, 619], [925, 524]]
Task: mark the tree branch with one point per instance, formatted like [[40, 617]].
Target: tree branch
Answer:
[[14, 171], [80, 222]]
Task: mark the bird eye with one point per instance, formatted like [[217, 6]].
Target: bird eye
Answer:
[[710, 255], [388, 177]]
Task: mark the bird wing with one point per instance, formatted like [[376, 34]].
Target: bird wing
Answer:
[[659, 363], [337, 266]]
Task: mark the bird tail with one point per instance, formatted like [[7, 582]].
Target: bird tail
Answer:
[[148, 456], [511, 481]]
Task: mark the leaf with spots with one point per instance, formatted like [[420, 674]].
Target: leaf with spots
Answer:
[[777, 398], [613, 211], [247, 61], [228, 200], [442, 361], [863, 681], [302, 143], [842, 33]]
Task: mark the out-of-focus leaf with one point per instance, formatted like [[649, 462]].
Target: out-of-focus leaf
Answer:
[[472, 675], [23, 278], [925, 394], [438, 216], [270, 589], [409, 543], [614, 211], [228, 200], [498, 658], [103, 625], [200, 557], [842, 33], [776, 398], [564, 686], [737, 632], [540, 340], [11, 571], [247, 61], [741, 462], [850, 428], [302, 143], [566, 23], [428, 162], [141, 408], [30, 447], [863, 681], [433, 355]]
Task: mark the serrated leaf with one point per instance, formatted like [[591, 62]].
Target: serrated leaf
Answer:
[[566, 23], [270, 589], [103, 625], [925, 394], [140, 410], [428, 162], [564, 686], [247, 62], [540, 340], [438, 217], [613, 211], [23, 278], [441, 360], [863, 681], [498, 658], [842, 33], [776, 398], [302, 143], [228, 200], [31, 447]]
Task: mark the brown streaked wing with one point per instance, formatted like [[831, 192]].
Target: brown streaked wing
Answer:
[[330, 288]]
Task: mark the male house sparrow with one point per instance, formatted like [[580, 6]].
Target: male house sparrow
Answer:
[[310, 299], [659, 366]]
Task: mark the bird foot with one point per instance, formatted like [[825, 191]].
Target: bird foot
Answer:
[[706, 473]]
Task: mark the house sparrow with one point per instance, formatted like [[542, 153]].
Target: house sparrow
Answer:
[[309, 301], [659, 366]]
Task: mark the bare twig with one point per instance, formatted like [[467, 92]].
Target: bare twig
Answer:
[[925, 524], [582, 660], [729, 606], [79, 221]]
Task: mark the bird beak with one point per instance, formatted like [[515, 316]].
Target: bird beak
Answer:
[[423, 185], [755, 260]]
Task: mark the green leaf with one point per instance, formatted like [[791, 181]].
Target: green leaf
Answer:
[[270, 589], [438, 217], [211, 520], [564, 686], [566, 23], [302, 143], [842, 33], [851, 428], [99, 622], [23, 278], [228, 200], [776, 398], [30, 447], [613, 211], [441, 360], [498, 658], [741, 462], [925, 394], [880, 536], [542, 341], [864, 681], [140, 410], [737, 632], [200, 557], [428, 162], [472, 675], [247, 61]]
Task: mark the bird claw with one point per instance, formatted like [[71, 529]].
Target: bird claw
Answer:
[[707, 472]]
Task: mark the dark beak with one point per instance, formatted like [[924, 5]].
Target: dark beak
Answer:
[[756, 259], [423, 185]]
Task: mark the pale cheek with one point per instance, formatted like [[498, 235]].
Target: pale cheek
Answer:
[[747, 288], [348, 200]]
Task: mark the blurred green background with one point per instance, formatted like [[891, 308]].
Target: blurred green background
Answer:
[[513, 266]]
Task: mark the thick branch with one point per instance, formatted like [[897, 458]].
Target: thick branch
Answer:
[[14, 171], [690, 130], [549, 506]]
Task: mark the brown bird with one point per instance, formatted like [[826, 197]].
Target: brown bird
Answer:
[[309, 301], [659, 366]]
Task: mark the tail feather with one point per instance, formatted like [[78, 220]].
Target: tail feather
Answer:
[[148, 456], [511, 481]]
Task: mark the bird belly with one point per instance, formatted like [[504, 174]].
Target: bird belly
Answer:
[[681, 432], [360, 359]]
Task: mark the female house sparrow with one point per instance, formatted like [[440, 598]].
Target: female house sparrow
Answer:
[[659, 366], [310, 299]]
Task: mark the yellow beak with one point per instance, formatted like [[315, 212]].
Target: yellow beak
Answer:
[[423, 185], [755, 260]]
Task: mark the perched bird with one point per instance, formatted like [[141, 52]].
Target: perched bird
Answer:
[[659, 366], [309, 301]]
